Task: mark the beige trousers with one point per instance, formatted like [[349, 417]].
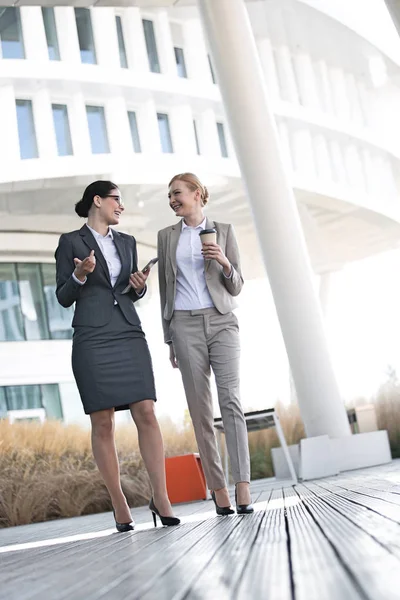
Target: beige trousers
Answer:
[[205, 339]]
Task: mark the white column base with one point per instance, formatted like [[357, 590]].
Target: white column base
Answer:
[[320, 456]]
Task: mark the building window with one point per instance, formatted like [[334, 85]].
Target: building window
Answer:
[[85, 35], [121, 43], [61, 127], [165, 133], [222, 140], [28, 397], [12, 42], [29, 309], [214, 80], [180, 62], [134, 131], [26, 129], [97, 129], [151, 45], [196, 137], [51, 33]]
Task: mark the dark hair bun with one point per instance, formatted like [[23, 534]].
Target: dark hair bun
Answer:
[[97, 188]]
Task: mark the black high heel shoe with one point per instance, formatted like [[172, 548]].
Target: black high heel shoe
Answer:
[[123, 527], [243, 509], [222, 511], [168, 521]]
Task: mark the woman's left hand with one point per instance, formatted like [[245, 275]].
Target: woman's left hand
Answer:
[[138, 280], [214, 252]]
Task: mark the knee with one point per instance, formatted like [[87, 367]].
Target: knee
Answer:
[[144, 414], [103, 427]]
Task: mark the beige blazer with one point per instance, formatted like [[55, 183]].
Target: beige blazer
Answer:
[[222, 289]]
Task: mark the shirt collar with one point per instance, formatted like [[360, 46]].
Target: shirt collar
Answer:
[[98, 235], [201, 226]]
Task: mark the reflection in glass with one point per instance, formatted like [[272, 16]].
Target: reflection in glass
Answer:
[[59, 318], [50, 28], [222, 140], [26, 129], [165, 133], [151, 46], [85, 35], [121, 43], [97, 129], [12, 43], [134, 131], [20, 397], [3, 403], [61, 126], [11, 324], [180, 62], [32, 302], [51, 401]]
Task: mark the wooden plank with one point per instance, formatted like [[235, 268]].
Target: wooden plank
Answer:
[[373, 502], [377, 526], [267, 571], [372, 566], [317, 573]]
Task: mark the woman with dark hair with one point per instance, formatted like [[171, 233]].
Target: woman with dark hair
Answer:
[[110, 358]]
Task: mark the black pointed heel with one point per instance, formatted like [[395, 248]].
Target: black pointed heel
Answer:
[[243, 509], [167, 521], [123, 527], [222, 510]]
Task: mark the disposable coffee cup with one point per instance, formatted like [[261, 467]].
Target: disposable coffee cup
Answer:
[[208, 236]]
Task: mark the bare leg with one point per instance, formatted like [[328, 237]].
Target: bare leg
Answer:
[[105, 455], [243, 492], [152, 450], [222, 497]]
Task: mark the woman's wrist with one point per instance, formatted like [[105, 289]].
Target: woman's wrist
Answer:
[[80, 276], [227, 268]]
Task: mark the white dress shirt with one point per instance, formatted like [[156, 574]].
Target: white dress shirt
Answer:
[[191, 287], [110, 253]]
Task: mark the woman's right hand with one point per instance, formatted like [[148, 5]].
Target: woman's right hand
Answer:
[[85, 266], [172, 357]]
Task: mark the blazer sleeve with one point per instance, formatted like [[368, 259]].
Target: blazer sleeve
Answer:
[[67, 289], [235, 282], [162, 286], [133, 295]]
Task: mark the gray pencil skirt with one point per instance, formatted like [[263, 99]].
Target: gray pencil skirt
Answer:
[[112, 365]]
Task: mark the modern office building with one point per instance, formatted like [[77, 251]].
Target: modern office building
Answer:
[[129, 94]]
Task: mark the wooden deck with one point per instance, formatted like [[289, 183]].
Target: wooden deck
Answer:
[[337, 538]]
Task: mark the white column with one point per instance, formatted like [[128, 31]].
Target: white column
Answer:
[[196, 53], [165, 45], [79, 126], [44, 124], [34, 34], [325, 88], [118, 127], [339, 92], [105, 37], [181, 123], [8, 126], [275, 214], [306, 81], [324, 289], [67, 34], [266, 54], [134, 40]]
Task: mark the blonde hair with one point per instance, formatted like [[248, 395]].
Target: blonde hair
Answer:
[[193, 183]]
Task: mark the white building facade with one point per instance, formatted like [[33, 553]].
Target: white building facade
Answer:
[[129, 94]]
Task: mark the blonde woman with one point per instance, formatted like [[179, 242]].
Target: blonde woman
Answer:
[[198, 283]]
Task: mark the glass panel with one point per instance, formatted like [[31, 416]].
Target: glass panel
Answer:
[[196, 137], [61, 126], [97, 129], [151, 45], [26, 129], [222, 140], [12, 42], [3, 403], [85, 35], [59, 318], [32, 302], [165, 133], [51, 33], [134, 131], [121, 44], [51, 401], [11, 323], [20, 397], [180, 62], [211, 70]]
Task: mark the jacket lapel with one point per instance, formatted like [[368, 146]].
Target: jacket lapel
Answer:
[[90, 241], [210, 225], [126, 265], [173, 240]]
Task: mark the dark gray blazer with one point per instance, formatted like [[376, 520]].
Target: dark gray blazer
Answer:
[[95, 300]]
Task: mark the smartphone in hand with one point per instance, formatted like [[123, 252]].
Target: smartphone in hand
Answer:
[[149, 265]]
